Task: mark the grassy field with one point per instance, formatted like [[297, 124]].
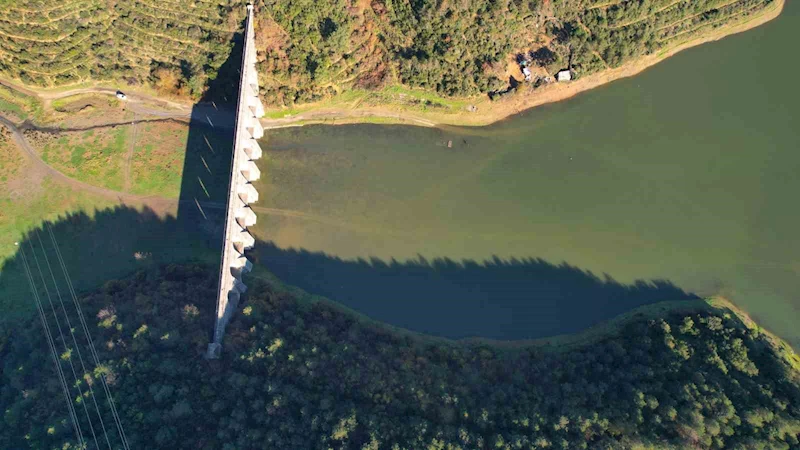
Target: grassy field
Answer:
[[19, 105], [144, 159], [102, 237], [95, 156], [10, 107], [75, 103], [397, 96], [26, 199], [158, 159], [10, 164], [22, 213]]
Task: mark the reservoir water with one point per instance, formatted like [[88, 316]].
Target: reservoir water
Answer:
[[683, 179]]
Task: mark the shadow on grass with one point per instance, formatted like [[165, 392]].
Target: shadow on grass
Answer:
[[110, 243], [106, 244]]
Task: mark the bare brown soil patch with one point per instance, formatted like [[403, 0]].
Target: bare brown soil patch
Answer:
[[17, 177], [88, 111]]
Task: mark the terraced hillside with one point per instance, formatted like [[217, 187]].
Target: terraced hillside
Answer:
[[311, 50], [172, 43], [317, 49], [616, 32]]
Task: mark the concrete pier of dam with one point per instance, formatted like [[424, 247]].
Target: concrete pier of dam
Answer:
[[241, 193]]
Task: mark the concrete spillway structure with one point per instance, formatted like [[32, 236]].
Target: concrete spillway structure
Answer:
[[241, 193]]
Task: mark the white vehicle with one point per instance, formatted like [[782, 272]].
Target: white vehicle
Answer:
[[121, 96]]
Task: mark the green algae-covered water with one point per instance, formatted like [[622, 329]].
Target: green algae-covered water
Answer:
[[685, 178]]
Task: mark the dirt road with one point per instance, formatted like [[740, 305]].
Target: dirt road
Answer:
[[490, 111], [154, 202], [343, 116], [40, 165], [211, 114], [142, 104], [49, 96]]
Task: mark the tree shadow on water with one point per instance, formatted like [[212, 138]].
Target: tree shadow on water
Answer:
[[505, 299]]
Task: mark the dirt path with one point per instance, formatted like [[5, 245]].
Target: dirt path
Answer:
[[15, 87], [604, 5], [490, 112], [40, 165], [648, 16], [204, 114], [692, 16], [182, 109], [153, 201], [209, 113], [129, 156], [141, 104], [27, 125], [334, 114]]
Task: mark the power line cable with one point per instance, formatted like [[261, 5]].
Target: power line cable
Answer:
[[88, 336], [74, 341], [64, 343], [51, 346]]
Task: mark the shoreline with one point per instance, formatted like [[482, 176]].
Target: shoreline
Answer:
[[556, 343], [490, 112], [337, 111]]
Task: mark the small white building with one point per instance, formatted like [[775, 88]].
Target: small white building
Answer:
[[564, 75], [527, 73]]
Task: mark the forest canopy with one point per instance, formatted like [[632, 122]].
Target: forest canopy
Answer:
[[310, 50], [307, 375]]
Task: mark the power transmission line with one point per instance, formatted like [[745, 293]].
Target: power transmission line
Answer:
[[51, 345], [74, 341], [64, 343], [92, 349]]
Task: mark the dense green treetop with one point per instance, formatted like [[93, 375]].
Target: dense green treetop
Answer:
[[315, 49], [309, 375]]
